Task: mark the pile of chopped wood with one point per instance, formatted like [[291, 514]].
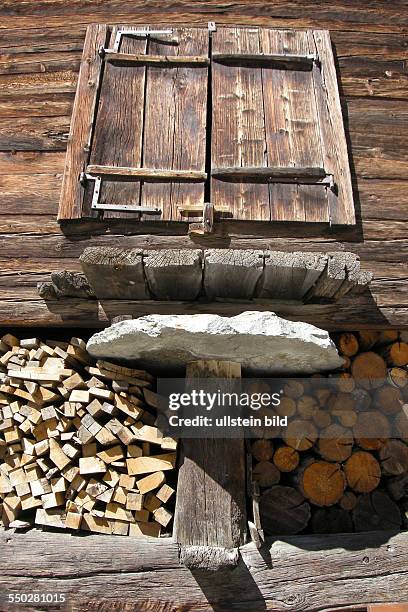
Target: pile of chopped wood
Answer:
[[78, 444], [341, 465]]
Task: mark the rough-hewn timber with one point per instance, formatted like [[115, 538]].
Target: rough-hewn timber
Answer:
[[294, 573]]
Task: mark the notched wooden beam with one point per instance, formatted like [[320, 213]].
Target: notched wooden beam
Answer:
[[341, 275], [115, 273], [174, 274], [188, 275], [290, 275], [229, 274]]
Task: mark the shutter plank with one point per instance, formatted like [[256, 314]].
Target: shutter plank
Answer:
[[175, 123], [336, 159], [292, 127], [82, 116], [238, 128], [119, 125]]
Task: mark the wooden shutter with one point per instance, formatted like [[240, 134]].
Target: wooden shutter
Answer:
[[139, 132], [148, 144], [277, 121]]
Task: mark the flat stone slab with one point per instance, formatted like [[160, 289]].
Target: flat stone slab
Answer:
[[261, 341]]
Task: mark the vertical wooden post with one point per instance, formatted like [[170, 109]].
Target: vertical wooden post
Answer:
[[211, 496]]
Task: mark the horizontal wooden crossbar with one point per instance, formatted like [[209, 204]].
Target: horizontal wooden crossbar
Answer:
[[299, 62], [273, 175], [156, 60], [197, 209], [146, 174], [128, 208]]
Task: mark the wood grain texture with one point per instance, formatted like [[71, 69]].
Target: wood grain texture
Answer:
[[175, 129], [336, 158], [293, 133], [238, 125], [118, 132], [25, 308], [287, 576], [229, 274], [174, 274], [215, 470], [77, 151], [339, 15], [115, 273]]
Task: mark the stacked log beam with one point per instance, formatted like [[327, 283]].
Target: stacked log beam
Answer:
[[342, 463], [79, 448]]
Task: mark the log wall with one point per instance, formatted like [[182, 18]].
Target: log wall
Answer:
[[40, 50], [328, 572]]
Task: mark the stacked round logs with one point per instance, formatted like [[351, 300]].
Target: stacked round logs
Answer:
[[341, 464]]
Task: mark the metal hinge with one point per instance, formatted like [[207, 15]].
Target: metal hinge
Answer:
[[156, 34], [96, 205]]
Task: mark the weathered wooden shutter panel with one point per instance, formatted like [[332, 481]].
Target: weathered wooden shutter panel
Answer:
[[276, 136], [175, 123], [150, 114], [293, 137], [268, 113], [119, 126], [238, 125], [72, 193]]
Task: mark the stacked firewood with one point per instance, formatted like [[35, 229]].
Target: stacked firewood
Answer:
[[79, 448], [341, 464]]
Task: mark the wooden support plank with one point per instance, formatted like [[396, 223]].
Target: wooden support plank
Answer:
[[238, 125], [229, 273], [118, 130], [172, 274], [292, 128], [156, 60], [175, 129], [146, 174], [215, 516], [81, 123], [113, 271]]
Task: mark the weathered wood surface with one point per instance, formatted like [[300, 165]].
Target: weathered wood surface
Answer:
[[174, 274], [238, 134], [279, 118], [211, 499], [39, 61], [288, 574], [117, 139], [80, 132], [213, 274], [174, 130], [115, 273]]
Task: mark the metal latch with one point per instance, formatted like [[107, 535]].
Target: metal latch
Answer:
[[96, 205], [156, 34]]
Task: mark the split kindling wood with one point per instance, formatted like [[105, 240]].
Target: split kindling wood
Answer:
[[78, 449]]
